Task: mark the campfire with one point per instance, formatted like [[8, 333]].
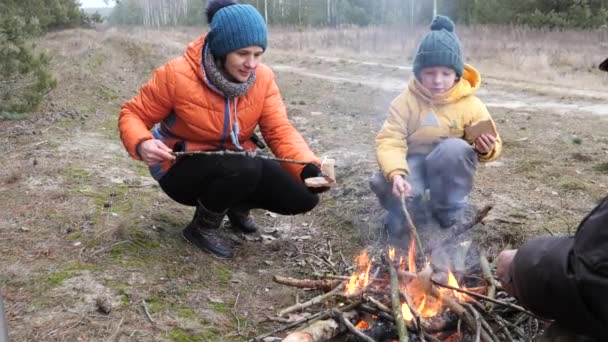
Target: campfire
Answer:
[[399, 295]]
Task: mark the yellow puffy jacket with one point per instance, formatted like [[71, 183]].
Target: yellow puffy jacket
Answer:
[[418, 120]]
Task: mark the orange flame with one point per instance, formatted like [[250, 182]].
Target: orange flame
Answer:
[[362, 325], [452, 282], [360, 277], [391, 253], [406, 313]]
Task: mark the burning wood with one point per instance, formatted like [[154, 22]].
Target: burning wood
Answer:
[[393, 299]]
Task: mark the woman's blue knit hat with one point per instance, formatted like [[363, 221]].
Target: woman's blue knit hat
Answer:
[[233, 26], [440, 47]]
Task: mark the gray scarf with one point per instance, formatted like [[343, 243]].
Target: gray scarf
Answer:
[[227, 88]]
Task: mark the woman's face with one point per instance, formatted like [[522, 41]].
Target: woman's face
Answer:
[[241, 63], [438, 79]]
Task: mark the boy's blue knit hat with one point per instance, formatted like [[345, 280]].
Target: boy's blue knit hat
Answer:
[[233, 26], [440, 47]]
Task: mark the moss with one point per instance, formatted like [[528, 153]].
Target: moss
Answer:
[[222, 273], [572, 184], [219, 307], [186, 313], [209, 334], [601, 168], [58, 278]]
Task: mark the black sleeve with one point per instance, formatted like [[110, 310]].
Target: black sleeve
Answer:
[[566, 278]]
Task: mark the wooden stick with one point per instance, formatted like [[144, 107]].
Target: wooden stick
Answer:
[[360, 336], [379, 305], [495, 301], [313, 301], [250, 154], [417, 322], [412, 227], [330, 276], [322, 284], [314, 317], [487, 274], [396, 303]]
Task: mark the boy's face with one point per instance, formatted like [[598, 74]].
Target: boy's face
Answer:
[[438, 79]]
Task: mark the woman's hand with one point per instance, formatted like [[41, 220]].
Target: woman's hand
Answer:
[[154, 151], [484, 144], [400, 186]]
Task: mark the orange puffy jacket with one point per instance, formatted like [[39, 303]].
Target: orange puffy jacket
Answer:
[[187, 111]]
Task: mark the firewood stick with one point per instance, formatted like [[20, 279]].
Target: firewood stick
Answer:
[[313, 301], [322, 284], [487, 274], [377, 312], [379, 305], [330, 276], [412, 227], [486, 298], [478, 326], [250, 154], [314, 317], [396, 302], [484, 322], [360, 336], [321, 330]]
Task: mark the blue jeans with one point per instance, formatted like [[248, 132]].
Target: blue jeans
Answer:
[[447, 172]]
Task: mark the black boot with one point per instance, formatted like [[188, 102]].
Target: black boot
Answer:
[[204, 233], [241, 219]]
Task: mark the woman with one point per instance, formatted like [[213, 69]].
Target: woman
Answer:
[[212, 98]]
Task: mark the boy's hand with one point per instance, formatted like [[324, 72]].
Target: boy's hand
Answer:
[[484, 143], [400, 186]]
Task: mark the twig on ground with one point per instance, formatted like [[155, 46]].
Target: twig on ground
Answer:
[[313, 301], [143, 301]]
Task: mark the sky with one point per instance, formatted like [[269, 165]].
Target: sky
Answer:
[[94, 3]]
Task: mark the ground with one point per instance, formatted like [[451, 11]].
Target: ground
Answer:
[[92, 248]]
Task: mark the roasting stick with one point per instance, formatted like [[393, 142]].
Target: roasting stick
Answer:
[[412, 227], [251, 154]]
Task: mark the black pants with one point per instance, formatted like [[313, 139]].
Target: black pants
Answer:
[[223, 182]]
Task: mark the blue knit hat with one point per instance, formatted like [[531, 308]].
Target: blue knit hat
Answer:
[[440, 47], [233, 26]]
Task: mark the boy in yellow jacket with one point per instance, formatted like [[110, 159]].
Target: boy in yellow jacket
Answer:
[[422, 144]]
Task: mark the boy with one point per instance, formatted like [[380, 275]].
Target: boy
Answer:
[[422, 144]]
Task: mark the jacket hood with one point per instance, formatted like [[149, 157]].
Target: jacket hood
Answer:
[[194, 56], [467, 85]]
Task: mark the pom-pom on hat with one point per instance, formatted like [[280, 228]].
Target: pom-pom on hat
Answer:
[[233, 26], [440, 47]]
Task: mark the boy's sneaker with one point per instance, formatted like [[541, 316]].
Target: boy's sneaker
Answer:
[[450, 217]]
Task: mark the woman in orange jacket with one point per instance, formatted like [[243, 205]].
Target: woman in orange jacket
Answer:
[[213, 98]]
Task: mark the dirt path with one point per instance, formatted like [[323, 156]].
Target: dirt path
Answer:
[[84, 228]]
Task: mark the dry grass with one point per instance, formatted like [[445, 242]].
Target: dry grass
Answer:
[[512, 52]]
